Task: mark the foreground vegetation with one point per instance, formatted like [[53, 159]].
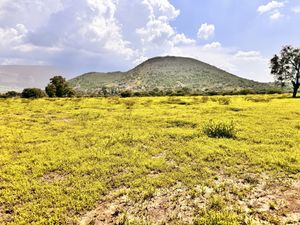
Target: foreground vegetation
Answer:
[[201, 160]]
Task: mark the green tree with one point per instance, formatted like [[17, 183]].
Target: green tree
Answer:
[[51, 90], [286, 67], [12, 94], [58, 87], [33, 93]]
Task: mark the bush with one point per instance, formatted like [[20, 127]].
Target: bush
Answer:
[[129, 104], [174, 100], [258, 99], [217, 218], [33, 93], [245, 92], [12, 94], [219, 130], [126, 94], [224, 101], [204, 99]]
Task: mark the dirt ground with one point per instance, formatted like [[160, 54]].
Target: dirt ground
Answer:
[[264, 203]]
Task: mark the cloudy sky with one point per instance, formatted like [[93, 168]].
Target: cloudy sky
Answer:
[[79, 36]]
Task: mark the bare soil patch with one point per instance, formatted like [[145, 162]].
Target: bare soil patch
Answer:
[[263, 202]]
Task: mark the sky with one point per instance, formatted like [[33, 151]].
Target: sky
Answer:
[[77, 36]]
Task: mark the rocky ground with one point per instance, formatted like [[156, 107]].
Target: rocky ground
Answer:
[[254, 200]]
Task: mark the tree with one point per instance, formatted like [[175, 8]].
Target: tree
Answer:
[[51, 90], [12, 94], [33, 93], [58, 87], [286, 67]]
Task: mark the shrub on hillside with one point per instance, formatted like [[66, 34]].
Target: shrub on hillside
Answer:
[[33, 93], [126, 94], [219, 130]]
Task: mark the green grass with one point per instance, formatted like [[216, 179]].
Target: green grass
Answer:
[[60, 157]]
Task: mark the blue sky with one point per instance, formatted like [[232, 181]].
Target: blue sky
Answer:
[[80, 36], [239, 24]]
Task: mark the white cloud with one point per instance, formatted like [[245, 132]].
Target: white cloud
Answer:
[[206, 31], [161, 8], [270, 6], [296, 9], [88, 29], [276, 15], [156, 30], [248, 54], [12, 36], [213, 45], [101, 35], [182, 39], [31, 13]]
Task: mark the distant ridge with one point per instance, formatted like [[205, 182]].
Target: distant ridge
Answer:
[[166, 73]]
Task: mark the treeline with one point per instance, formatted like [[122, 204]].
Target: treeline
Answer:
[[182, 92], [59, 88]]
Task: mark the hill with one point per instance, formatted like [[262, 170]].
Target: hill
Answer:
[[166, 73]]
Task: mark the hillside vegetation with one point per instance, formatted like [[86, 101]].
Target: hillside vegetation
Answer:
[[164, 160], [166, 73]]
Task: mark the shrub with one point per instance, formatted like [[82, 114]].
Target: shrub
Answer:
[[12, 94], [216, 203], [129, 104], [137, 94], [213, 99], [219, 130], [217, 218], [204, 99], [245, 92], [257, 99], [174, 100], [224, 101], [126, 94], [33, 93]]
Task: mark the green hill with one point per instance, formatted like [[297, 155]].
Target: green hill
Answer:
[[166, 73]]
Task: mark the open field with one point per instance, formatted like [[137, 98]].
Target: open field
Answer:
[[148, 161]]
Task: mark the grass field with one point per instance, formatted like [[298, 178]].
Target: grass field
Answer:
[[148, 161]]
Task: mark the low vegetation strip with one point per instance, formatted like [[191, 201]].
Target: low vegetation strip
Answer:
[[149, 161]]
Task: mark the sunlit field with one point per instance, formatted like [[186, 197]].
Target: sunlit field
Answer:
[[150, 160]]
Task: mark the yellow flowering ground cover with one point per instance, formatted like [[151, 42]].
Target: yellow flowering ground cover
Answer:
[[149, 161]]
